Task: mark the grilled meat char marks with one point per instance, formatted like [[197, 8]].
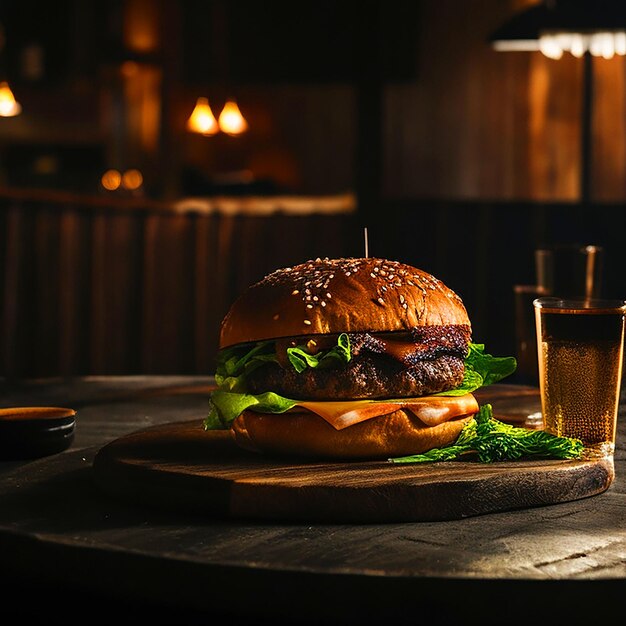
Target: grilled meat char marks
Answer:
[[421, 344], [427, 360]]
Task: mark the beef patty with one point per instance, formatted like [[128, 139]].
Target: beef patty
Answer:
[[428, 360]]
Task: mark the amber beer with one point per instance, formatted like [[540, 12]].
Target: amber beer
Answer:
[[580, 346]]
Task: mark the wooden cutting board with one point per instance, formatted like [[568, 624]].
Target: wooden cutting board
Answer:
[[181, 466]]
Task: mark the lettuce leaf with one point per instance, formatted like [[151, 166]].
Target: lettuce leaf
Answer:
[[234, 363], [231, 399], [339, 354], [225, 406], [481, 370]]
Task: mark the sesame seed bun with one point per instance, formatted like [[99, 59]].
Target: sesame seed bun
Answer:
[[303, 433], [327, 296]]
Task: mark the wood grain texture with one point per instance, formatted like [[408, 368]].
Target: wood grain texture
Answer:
[[61, 536], [92, 290], [478, 123], [181, 465]]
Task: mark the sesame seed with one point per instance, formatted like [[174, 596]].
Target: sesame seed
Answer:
[[401, 298], [307, 322], [309, 306], [329, 296], [295, 292], [323, 303], [381, 301]]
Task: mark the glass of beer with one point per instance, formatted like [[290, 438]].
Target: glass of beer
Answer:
[[580, 351]]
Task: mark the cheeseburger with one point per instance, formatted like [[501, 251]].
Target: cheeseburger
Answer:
[[348, 358]]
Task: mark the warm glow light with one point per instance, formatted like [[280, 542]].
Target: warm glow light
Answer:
[[608, 46], [202, 119], [578, 46], [129, 69], [111, 180], [132, 179], [9, 107], [550, 47], [516, 45], [231, 121], [599, 44]]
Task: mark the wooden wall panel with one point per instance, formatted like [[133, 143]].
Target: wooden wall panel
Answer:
[[168, 302], [479, 124], [90, 288], [554, 155], [45, 290], [74, 287], [13, 296], [116, 291], [93, 290], [609, 130]]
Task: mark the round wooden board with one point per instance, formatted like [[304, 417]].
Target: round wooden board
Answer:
[[182, 466]]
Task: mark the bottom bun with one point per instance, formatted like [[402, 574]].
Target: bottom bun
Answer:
[[304, 433]]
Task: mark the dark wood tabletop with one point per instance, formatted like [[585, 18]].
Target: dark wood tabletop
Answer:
[[66, 545]]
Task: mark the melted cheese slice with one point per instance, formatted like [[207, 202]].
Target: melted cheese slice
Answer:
[[431, 410]]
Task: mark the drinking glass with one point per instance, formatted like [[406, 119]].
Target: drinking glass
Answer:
[[580, 352], [570, 270]]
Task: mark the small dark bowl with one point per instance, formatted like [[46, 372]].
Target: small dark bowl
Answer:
[[33, 432]]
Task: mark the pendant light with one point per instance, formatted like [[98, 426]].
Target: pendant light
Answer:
[[202, 120], [9, 106], [231, 121]]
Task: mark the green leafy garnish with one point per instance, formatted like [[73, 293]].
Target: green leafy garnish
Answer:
[[234, 364], [300, 358], [225, 406], [492, 440], [482, 369]]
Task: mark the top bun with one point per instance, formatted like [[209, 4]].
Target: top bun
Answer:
[[328, 296]]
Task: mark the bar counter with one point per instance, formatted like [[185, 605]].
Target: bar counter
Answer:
[[73, 553]]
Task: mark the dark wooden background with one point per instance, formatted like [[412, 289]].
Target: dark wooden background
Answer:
[[462, 161], [90, 287]]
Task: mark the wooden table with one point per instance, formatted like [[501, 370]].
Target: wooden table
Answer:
[[66, 547]]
